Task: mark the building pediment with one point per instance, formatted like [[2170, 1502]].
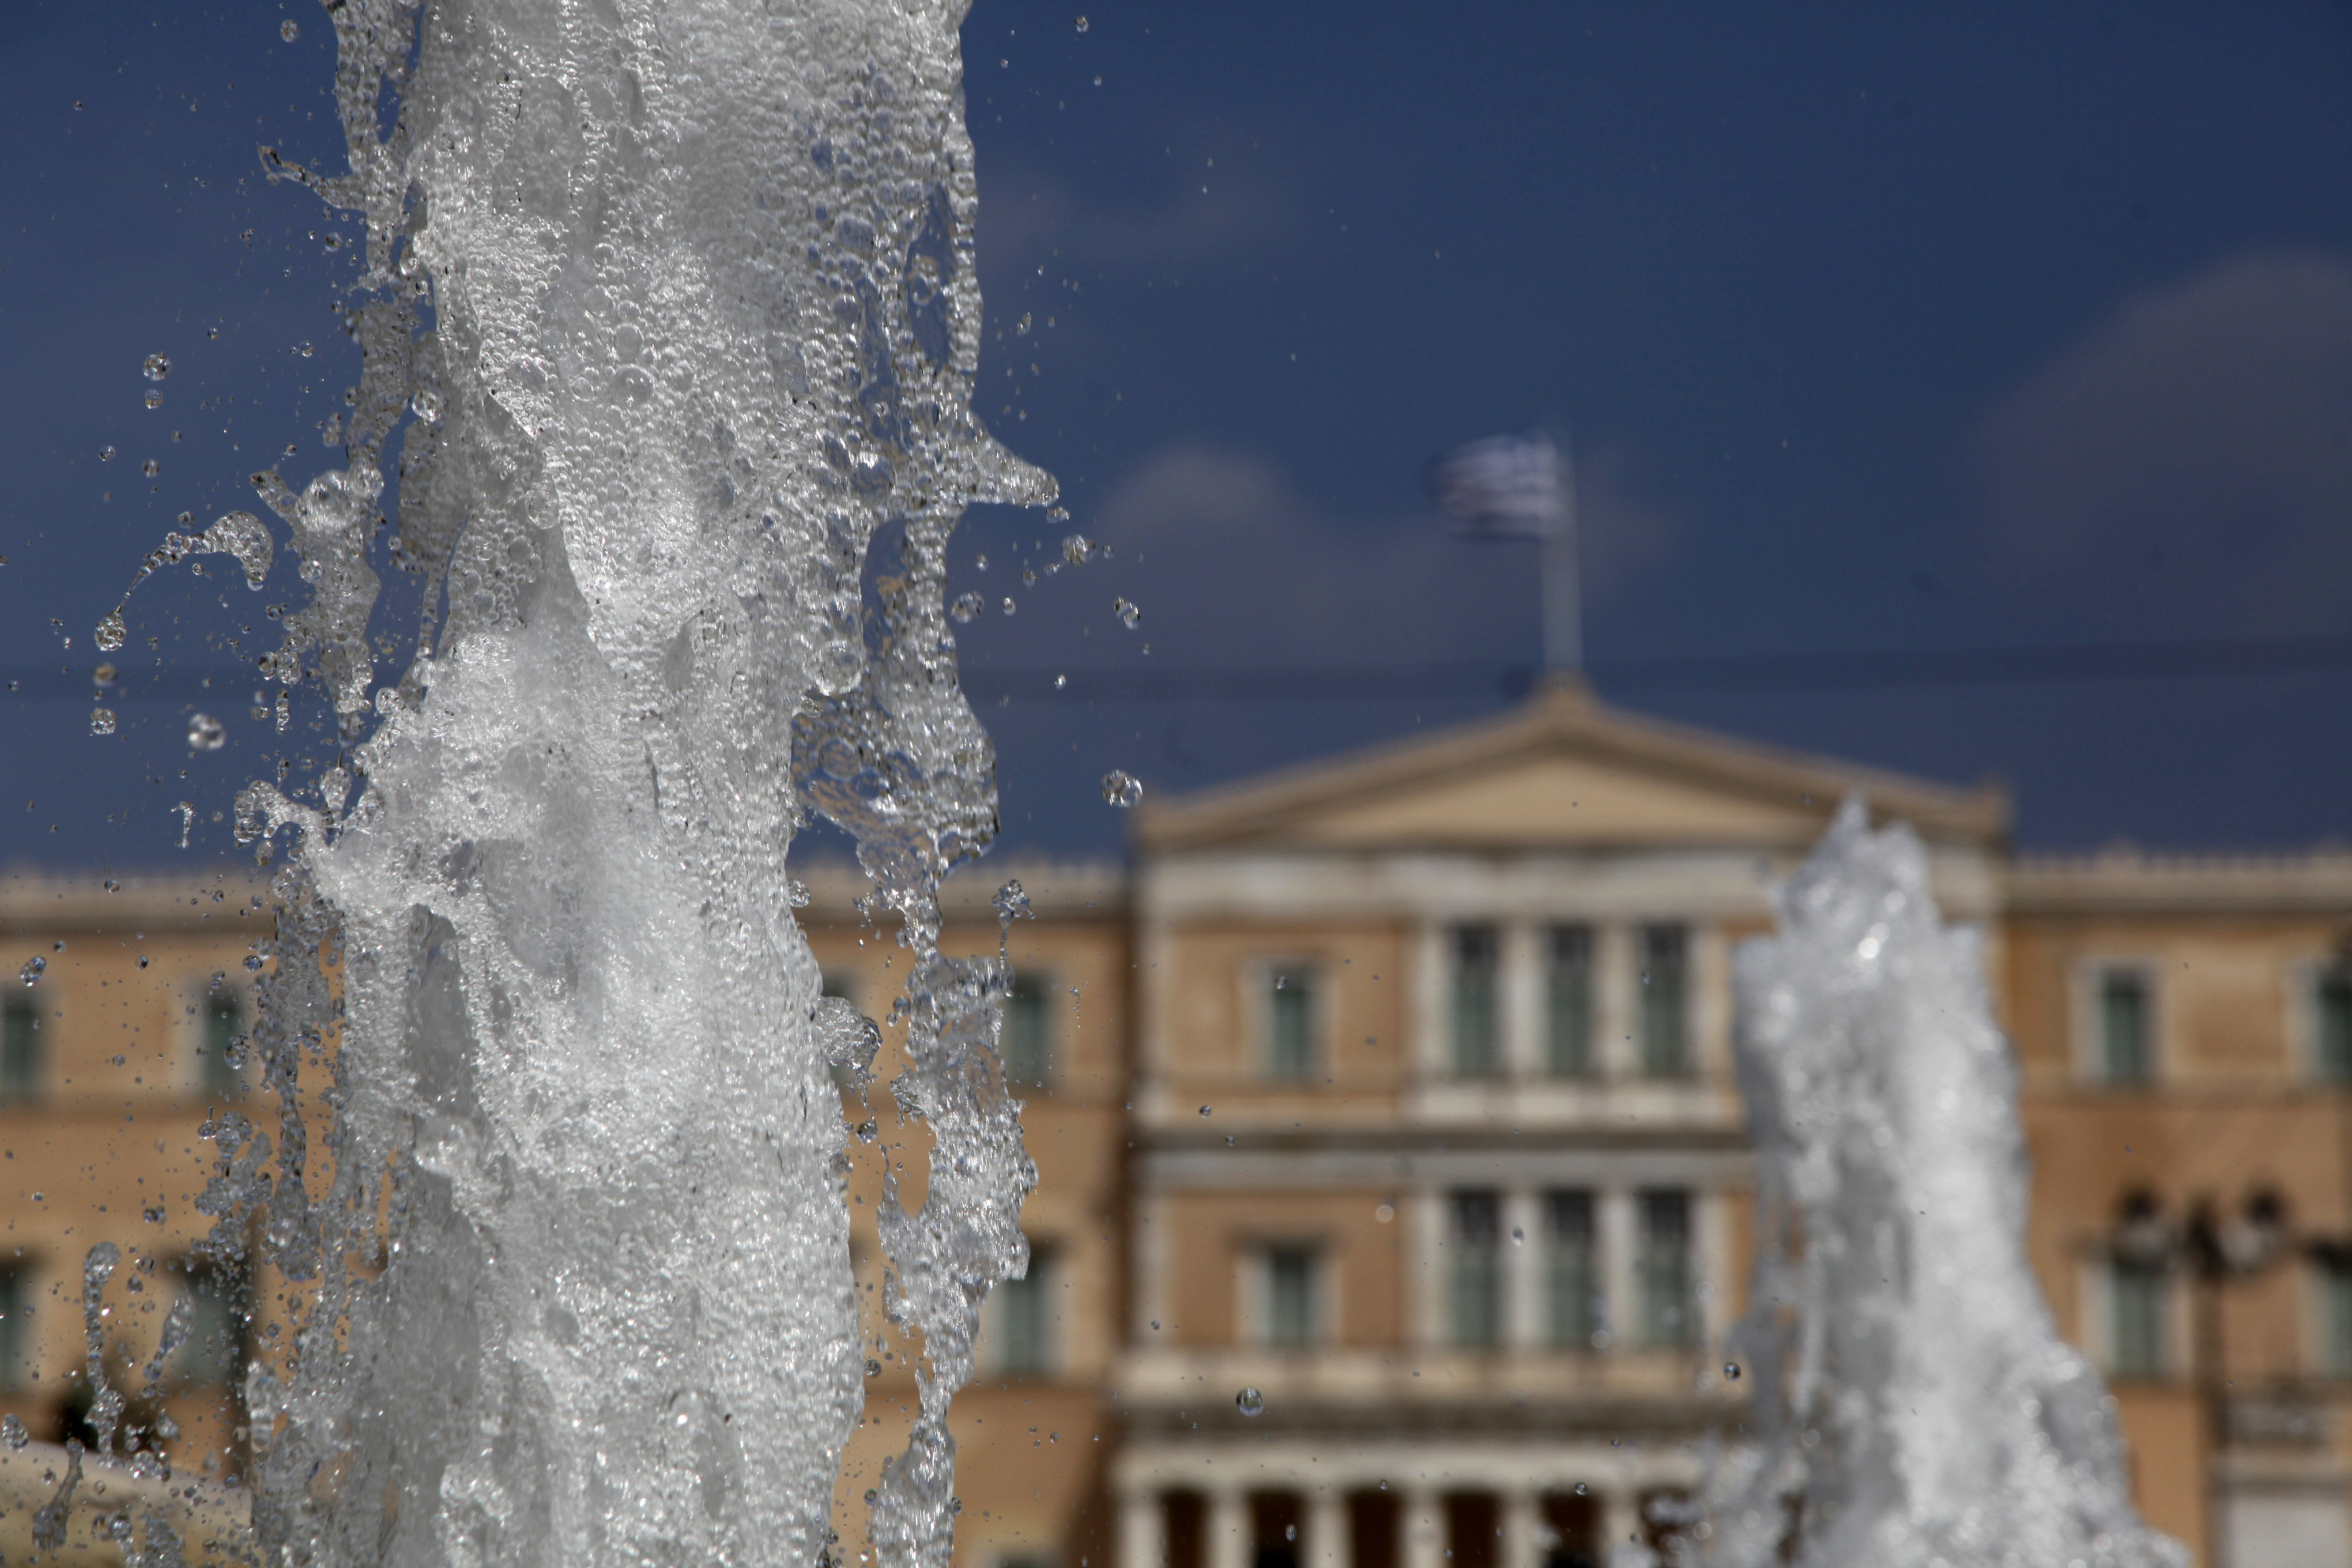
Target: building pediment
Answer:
[[1561, 772]]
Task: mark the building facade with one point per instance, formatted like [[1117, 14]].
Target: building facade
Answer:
[[1392, 1187]]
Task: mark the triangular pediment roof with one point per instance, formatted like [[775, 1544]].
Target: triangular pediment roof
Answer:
[[1561, 772]]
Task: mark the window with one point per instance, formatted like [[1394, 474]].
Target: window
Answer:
[[1477, 1268], [1665, 1044], [1028, 1041], [2136, 1292], [1291, 1305], [16, 1327], [1290, 1023], [2332, 1338], [2126, 1054], [1567, 1002], [214, 1351], [1476, 1045], [1571, 1270], [20, 1052], [1664, 1267], [220, 1048], [2331, 1009], [1025, 1317]]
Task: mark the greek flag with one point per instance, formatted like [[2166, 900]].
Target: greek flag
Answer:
[[1505, 487]]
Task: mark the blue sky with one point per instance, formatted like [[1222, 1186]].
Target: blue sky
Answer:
[[1897, 343]]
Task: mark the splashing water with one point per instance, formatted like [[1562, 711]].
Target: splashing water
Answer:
[[571, 1266], [1913, 1402]]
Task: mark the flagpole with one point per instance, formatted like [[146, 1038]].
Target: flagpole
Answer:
[[1563, 618]]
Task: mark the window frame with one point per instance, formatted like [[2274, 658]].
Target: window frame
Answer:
[[1646, 999], [1462, 936], [1044, 990], [1475, 1262], [28, 1007], [1556, 939], [2328, 1298], [1037, 1292], [1261, 1315], [2308, 1005], [1592, 1314], [2093, 975], [1652, 1332], [1266, 976], [2161, 1360]]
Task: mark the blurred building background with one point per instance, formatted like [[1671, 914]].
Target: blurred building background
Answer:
[[1391, 1185]]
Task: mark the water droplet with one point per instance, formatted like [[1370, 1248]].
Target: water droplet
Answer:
[[305, 349], [110, 632], [157, 367], [1012, 902], [1580, 1490], [104, 674], [154, 398], [142, 961], [869, 1130], [873, 1369], [253, 962], [206, 733], [1061, 683], [1082, 24], [1077, 550], [427, 403], [1021, 327], [290, 29], [1205, 1110], [150, 467], [1290, 1532], [35, 967], [1155, 1324], [1518, 1236], [1126, 612], [1009, 605], [13, 1432], [1121, 788], [966, 606], [1731, 1370], [1249, 1402], [106, 454], [101, 720]]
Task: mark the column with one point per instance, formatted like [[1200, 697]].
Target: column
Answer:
[[1523, 1324], [1429, 1053], [1710, 1004], [1621, 1521], [1615, 1008], [1522, 1015], [1613, 1219], [1424, 1265], [1521, 1546], [1327, 1544], [1229, 1545], [1142, 1531], [1423, 1527]]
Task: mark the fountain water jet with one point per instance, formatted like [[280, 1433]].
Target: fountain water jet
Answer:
[[671, 306], [1912, 1405]]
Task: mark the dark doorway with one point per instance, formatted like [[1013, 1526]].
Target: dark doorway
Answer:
[[1474, 1530], [1373, 1529], [1276, 1521], [1186, 1522], [1572, 1523]]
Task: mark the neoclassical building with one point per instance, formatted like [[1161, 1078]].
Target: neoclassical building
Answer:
[[1392, 1184]]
